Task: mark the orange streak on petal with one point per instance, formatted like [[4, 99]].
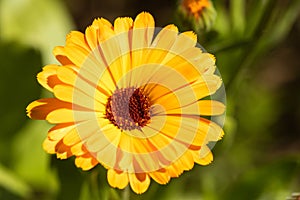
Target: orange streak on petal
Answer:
[[48, 77], [41, 108], [59, 131], [139, 182], [62, 150], [86, 162], [61, 56], [78, 149]]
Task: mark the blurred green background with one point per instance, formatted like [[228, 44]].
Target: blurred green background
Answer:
[[257, 45]]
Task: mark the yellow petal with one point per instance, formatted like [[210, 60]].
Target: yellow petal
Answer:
[[107, 156], [64, 115], [77, 54], [184, 41], [91, 36], [79, 98], [204, 62], [142, 34], [77, 38], [202, 107], [160, 176], [211, 107], [206, 86], [81, 131], [117, 179], [144, 20], [99, 31], [122, 24], [182, 131], [212, 130], [95, 75], [48, 77], [85, 162], [59, 131], [203, 156], [49, 145], [186, 161], [62, 150], [67, 74], [103, 137], [78, 149], [182, 100], [105, 29], [139, 182], [165, 38]]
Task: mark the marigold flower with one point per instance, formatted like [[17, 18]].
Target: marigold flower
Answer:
[[131, 98], [200, 13]]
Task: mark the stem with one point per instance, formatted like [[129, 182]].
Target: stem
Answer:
[[95, 185], [126, 193]]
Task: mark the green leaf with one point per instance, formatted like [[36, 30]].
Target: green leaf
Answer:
[[13, 183], [39, 24], [237, 12], [29, 160], [18, 87]]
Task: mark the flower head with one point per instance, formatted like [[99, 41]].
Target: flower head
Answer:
[[200, 13], [130, 97]]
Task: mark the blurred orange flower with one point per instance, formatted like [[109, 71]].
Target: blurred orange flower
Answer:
[[130, 97], [201, 13]]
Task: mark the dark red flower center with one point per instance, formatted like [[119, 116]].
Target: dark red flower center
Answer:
[[128, 108]]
